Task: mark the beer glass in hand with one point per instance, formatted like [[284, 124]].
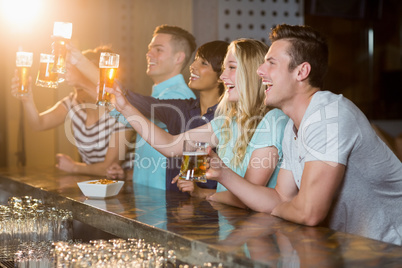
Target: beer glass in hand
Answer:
[[62, 32], [46, 78], [194, 161], [23, 63], [108, 64]]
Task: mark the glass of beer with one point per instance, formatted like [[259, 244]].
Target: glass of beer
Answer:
[[62, 32], [23, 63], [46, 78], [194, 161], [108, 64]]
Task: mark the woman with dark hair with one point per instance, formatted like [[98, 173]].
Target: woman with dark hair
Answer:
[[181, 115]]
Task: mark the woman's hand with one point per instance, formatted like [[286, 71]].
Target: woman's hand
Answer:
[[115, 171], [185, 186], [74, 55], [216, 166], [65, 163], [192, 188]]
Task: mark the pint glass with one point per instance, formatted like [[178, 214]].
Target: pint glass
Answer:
[[194, 161], [108, 64], [46, 78], [23, 63], [62, 32]]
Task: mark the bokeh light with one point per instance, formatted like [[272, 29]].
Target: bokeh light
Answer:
[[20, 13]]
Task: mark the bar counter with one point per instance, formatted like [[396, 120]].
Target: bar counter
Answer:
[[200, 231]]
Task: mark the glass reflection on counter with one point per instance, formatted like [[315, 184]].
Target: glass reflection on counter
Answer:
[[270, 240]]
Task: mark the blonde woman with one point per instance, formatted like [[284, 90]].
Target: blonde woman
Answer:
[[246, 133]]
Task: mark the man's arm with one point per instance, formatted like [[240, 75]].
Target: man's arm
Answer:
[[261, 166], [85, 66], [159, 139], [319, 185], [171, 112], [255, 196]]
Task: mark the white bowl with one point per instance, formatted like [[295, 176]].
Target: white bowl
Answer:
[[100, 190]]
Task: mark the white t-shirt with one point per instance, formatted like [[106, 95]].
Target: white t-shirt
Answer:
[[369, 200]]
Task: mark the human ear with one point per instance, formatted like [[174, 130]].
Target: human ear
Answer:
[[303, 71], [180, 56]]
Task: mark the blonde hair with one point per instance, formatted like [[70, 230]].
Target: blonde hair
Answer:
[[249, 110]]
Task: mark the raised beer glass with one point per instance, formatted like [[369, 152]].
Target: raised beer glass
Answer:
[[62, 32], [108, 64], [23, 63], [46, 78], [194, 161]]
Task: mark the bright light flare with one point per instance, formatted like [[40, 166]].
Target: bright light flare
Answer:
[[112, 72], [20, 12]]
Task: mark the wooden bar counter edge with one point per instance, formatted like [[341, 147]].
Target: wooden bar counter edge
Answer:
[[200, 231]]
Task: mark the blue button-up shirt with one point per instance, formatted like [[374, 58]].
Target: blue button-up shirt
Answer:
[[149, 164]]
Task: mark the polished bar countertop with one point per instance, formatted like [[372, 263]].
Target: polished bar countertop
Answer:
[[200, 231]]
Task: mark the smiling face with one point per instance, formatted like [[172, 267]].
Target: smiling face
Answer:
[[161, 59], [228, 76], [202, 76], [276, 76]]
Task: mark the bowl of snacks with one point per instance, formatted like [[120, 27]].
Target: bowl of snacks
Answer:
[[100, 188]]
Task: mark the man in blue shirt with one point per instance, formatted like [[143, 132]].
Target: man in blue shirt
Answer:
[[168, 53], [180, 115]]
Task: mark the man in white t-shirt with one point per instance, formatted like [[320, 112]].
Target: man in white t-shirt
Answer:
[[336, 171]]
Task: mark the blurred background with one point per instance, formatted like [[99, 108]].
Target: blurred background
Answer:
[[365, 38]]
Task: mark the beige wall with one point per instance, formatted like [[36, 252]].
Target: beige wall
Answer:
[[126, 25]]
